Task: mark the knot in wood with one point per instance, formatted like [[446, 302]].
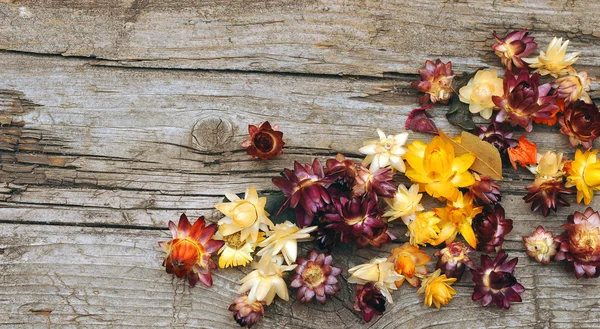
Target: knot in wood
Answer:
[[212, 133]]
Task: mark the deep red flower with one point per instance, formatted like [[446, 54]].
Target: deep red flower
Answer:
[[491, 227], [247, 314], [341, 170], [356, 217], [188, 253], [315, 277], [495, 281], [515, 46], [581, 122], [485, 191], [378, 183], [580, 243], [306, 190], [369, 301], [499, 135], [547, 195], [454, 259], [419, 121], [264, 142], [436, 82], [380, 237]]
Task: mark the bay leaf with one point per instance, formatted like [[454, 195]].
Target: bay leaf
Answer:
[[487, 158]]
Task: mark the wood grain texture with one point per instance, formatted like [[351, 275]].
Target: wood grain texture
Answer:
[[358, 37], [97, 154]]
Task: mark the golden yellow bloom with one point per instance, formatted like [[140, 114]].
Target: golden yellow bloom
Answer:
[[479, 91], [266, 280], [584, 174], [424, 228], [405, 204], [457, 217], [408, 260], [247, 216], [555, 61], [387, 151], [436, 170], [437, 289], [380, 272], [284, 238], [236, 252]]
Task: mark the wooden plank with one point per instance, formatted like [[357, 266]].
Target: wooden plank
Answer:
[[371, 38], [73, 277]]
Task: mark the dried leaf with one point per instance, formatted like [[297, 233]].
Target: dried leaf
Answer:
[[487, 162], [459, 115]]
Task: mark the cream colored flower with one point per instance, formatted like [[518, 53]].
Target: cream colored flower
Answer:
[[266, 280], [236, 252], [479, 91], [555, 61], [247, 216], [387, 151], [549, 165], [405, 204], [379, 271], [573, 87], [284, 238]]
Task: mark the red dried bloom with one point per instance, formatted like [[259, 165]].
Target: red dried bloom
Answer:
[[546, 195], [341, 170], [454, 258], [580, 243], [499, 135], [306, 190], [315, 277], [247, 314], [525, 153], [515, 46], [541, 245], [581, 123], [380, 237], [357, 217], [378, 183], [495, 281], [485, 191], [436, 82], [419, 121], [188, 253], [264, 142], [491, 227], [369, 301], [525, 100]]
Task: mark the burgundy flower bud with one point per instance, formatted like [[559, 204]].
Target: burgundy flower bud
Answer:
[[495, 281], [264, 142], [369, 301], [485, 191], [341, 170], [547, 195], [247, 314], [581, 122], [454, 259], [490, 228]]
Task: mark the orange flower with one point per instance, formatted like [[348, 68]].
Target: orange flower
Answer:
[[437, 289], [188, 253], [409, 260], [525, 153]]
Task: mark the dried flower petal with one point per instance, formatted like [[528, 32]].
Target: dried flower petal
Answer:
[[405, 204], [264, 142], [546, 195], [525, 153], [424, 229], [419, 121], [378, 182], [500, 135], [541, 245], [246, 216], [457, 217]]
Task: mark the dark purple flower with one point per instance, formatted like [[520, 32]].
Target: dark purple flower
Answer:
[[369, 301], [495, 281], [490, 228]]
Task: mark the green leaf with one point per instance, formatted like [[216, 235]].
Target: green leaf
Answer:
[[459, 115]]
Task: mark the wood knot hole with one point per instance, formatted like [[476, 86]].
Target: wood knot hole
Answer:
[[212, 133]]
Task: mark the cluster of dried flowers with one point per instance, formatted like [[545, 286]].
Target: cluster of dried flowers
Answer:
[[340, 201]]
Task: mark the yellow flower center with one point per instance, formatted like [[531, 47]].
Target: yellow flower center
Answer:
[[244, 213], [233, 240], [388, 144], [313, 275], [482, 92], [541, 247]]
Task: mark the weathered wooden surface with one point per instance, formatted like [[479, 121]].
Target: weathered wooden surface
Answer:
[[97, 154]]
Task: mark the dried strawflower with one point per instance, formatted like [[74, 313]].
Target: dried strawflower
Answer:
[[356, 217], [369, 301], [235, 251], [581, 122], [264, 142], [188, 253], [491, 228], [424, 229], [247, 314], [418, 120], [246, 216], [573, 87], [584, 173], [436, 169], [409, 260], [500, 135], [437, 289], [479, 91], [546, 195], [387, 151], [457, 217], [580, 243], [380, 272], [436, 82], [380, 237], [378, 182], [315, 277], [453, 259], [515, 46], [306, 190], [266, 280], [549, 166], [343, 170], [405, 204], [485, 191], [525, 153], [284, 239], [555, 61], [495, 281], [541, 245], [525, 101]]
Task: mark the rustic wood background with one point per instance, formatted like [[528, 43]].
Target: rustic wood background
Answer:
[[119, 115]]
